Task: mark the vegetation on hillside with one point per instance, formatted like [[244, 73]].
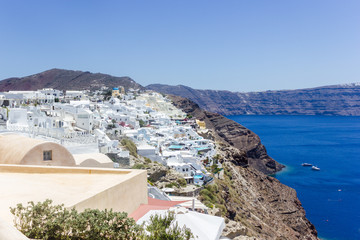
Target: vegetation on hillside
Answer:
[[130, 146], [160, 229], [54, 222]]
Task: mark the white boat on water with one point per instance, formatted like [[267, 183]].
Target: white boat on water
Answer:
[[315, 168], [306, 164]]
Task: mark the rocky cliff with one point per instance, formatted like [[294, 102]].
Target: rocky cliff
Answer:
[[234, 134], [256, 206], [67, 80], [328, 100]]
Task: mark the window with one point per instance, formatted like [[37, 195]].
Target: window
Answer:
[[47, 155]]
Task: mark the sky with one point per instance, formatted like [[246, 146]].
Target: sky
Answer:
[[237, 45]]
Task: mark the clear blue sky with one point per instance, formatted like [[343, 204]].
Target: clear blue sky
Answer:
[[238, 45]]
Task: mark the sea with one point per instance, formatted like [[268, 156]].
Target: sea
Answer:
[[331, 196]]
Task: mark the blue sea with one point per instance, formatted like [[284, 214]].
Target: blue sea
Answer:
[[331, 196]]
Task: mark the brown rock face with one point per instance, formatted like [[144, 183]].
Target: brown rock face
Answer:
[[257, 206], [226, 130], [263, 206]]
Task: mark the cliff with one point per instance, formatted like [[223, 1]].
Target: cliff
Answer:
[[234, 134], [327, 100], [255, 205], [67, 80]]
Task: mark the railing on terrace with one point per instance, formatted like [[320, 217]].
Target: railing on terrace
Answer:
[[71, 137]]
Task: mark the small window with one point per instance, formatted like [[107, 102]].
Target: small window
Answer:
[[47, 155]]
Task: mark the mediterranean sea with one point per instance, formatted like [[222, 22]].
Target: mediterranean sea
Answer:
[[331, 196]]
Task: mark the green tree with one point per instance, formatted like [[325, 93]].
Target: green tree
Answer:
[[141, 123]]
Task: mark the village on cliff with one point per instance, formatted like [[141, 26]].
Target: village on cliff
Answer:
[[91, 149]]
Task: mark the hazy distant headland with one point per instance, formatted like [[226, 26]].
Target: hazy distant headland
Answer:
[[327, 100]]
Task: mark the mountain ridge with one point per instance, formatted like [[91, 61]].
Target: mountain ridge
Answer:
[[62, 79], [343, 99]]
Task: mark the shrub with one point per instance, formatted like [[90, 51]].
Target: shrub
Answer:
[[141, 123], [54, 222], [171, 185], [221, 207], [139, 166], [162, 228], [228, 174], [47, 221], [130, 146], [182, 182], [147, 160], [215, 169], [209, 195], [208, 204]]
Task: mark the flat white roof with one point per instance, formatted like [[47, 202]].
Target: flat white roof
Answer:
[[63, 185], [145, 147]]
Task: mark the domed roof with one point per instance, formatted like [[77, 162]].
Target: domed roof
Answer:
[[17, 149]]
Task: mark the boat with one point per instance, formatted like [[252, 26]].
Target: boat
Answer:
[[306, 164], [315, 168]]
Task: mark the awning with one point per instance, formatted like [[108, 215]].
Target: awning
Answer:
[[153, 204]]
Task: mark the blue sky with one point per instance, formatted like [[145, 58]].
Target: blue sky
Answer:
[[238, 45]]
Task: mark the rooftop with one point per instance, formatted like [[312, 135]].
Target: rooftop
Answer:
[[121, 190]]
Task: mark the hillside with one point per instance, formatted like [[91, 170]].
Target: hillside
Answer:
[[226, 130], [67, 80], [257, 206], [328, 100]]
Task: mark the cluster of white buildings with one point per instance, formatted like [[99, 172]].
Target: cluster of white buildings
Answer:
[[88, 125], [161, 132]]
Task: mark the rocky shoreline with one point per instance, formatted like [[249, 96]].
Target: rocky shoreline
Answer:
[[257, 206]]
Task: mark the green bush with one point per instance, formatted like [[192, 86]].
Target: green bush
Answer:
[[162, 228], [228, 174], [130, 146], [140, 166], [147, 160], [221, 207], [209, 195], [54, 222], [182, 182], [208, 204], [46, 221], [141, 123], [171, 185]]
